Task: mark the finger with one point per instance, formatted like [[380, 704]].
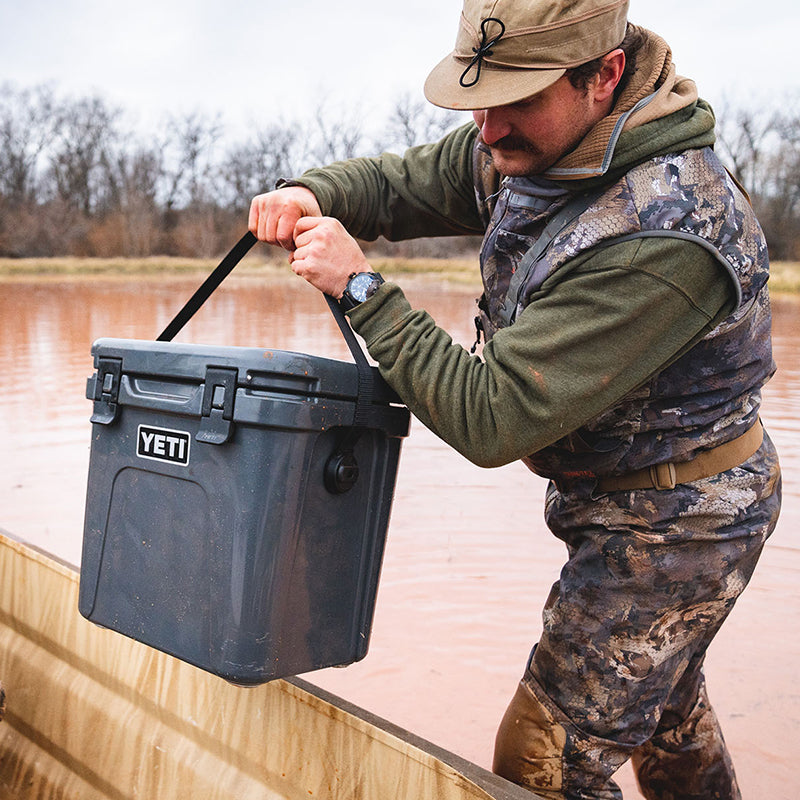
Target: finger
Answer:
[[268, 225], [252, 219], [260, 221], [257, 216], [272, 218], [284, 231], [306, 224]]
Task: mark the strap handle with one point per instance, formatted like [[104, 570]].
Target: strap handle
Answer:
[[207, 288], [366, 377]]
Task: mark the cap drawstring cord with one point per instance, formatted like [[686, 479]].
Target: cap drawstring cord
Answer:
[[481, 52]]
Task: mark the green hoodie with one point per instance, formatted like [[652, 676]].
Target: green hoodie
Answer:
[[621, 313]]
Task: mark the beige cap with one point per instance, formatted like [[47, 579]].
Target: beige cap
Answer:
[[507, 50]]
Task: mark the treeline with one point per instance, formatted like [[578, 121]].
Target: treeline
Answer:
[[75, 179], [760, 144]]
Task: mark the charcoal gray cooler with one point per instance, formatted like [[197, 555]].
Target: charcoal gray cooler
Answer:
[[237, 504]]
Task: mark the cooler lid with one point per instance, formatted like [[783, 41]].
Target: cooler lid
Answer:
[[257, 368]]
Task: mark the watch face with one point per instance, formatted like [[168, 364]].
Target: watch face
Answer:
[[358, 286]]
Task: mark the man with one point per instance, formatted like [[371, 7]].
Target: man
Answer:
[[628, 336]]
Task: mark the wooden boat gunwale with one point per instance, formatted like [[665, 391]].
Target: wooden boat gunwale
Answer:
[[93, 714]]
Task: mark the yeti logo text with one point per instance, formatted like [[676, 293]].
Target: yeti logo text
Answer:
[[163, 444]]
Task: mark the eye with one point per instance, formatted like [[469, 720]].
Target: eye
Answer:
[[527, 103]]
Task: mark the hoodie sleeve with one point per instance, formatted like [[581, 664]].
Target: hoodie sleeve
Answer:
[[620, 316], [426, 192]]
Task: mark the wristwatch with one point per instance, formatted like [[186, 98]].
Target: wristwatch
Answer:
[[360, 287]]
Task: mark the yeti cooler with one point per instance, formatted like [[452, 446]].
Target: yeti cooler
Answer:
[[237, 504]]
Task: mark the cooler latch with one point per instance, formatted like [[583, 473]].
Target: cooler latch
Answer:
[[105, 391], [219, 396]]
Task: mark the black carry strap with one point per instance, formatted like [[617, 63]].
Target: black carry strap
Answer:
[[366, 378], [209, 285]]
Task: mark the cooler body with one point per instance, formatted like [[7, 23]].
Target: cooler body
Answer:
[[213, 528]]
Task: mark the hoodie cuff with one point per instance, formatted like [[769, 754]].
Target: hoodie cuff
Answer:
[[380, 314]]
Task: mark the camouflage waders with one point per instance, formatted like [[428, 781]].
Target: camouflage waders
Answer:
[[652, 574], [617, 674]]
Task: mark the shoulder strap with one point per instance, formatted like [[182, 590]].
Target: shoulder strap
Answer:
[[526, 271]]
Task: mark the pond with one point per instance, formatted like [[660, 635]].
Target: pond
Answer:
[[459, 602]]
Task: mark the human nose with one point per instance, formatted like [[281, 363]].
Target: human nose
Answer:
[[493, 124]]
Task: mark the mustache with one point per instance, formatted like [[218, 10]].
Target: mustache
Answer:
[[517, 143]]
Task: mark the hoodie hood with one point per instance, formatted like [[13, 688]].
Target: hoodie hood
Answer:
[[658, 112]]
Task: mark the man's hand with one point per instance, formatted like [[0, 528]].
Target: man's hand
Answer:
[[326, 254], [320, 249], [273, 215]]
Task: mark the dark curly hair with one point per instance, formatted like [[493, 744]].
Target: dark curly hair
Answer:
[[580, 77]]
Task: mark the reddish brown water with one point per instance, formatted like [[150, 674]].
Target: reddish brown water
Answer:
[[468, 562]]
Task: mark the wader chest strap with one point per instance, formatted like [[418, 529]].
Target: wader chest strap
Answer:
[[531, 270]]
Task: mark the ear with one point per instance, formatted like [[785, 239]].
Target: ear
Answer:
[[609, 75]]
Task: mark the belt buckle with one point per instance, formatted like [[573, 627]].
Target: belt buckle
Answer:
[[663, 476]]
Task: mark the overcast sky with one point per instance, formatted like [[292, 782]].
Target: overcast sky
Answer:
[[256, 60]]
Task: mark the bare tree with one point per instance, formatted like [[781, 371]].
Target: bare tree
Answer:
[[27, 122], [335, 138], [745, 135], [277, 151], [85, 134], [780, 200], [189, 157], [136, 175], [26, 130], [74, 180], [415, 121]]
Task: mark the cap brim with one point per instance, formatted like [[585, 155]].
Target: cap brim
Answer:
[[495, 87]]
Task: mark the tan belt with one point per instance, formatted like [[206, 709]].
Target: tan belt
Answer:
[[703, 465]]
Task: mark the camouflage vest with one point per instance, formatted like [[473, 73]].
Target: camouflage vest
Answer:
[[712, 393]]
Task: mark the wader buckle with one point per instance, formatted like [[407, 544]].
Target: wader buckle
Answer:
[[663, 476]]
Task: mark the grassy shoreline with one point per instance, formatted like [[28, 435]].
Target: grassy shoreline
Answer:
[[785, 275], [276, 267]]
